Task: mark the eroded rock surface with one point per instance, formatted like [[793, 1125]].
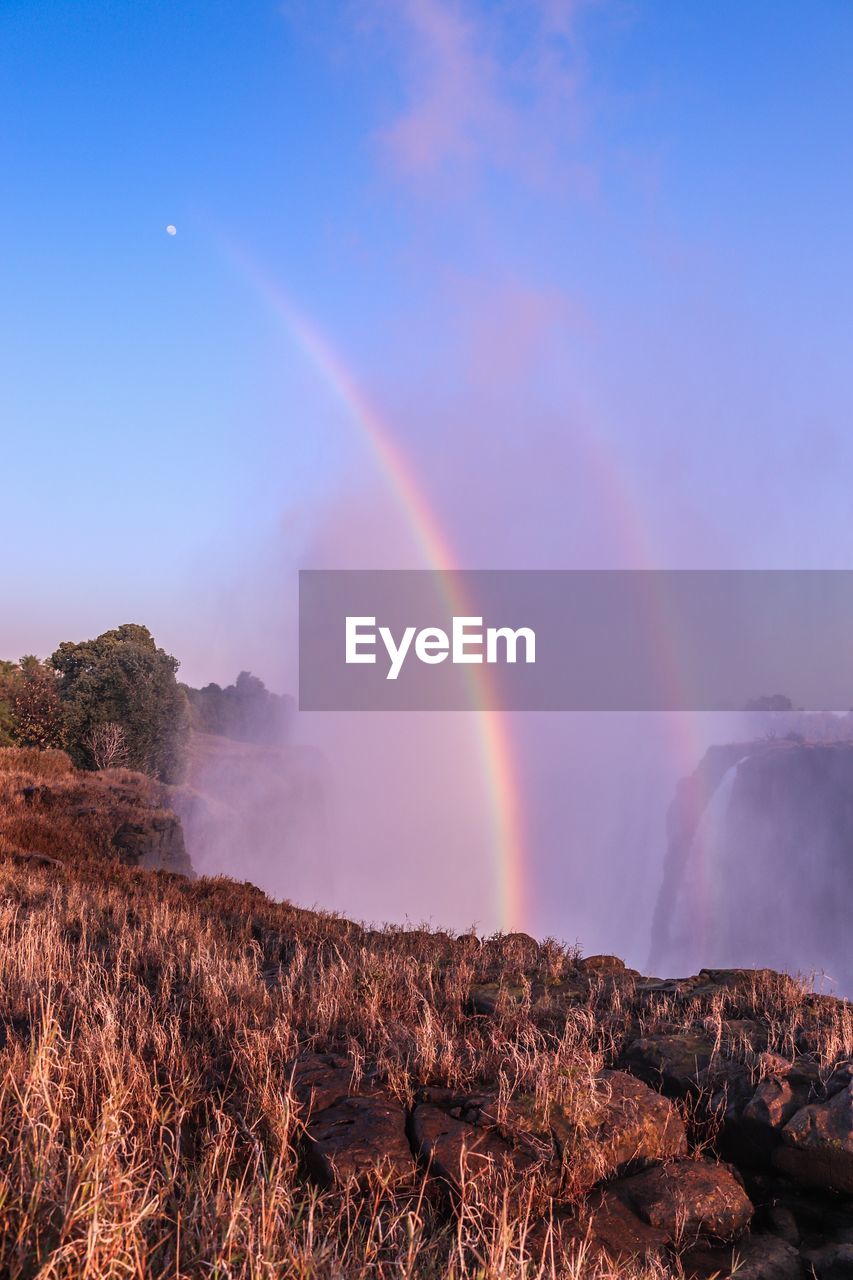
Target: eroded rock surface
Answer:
[[817, 1144], [459, 1153], [358, 1137], [689, 1198]]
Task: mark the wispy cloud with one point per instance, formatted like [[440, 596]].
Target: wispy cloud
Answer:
[[485, 88]]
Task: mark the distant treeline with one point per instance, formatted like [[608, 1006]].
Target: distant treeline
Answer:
[[245, 710], [115, 702]]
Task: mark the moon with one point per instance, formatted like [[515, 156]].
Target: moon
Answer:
[[171, 230]]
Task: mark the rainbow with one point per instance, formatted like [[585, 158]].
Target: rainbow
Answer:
[[631, 527], [498, 765]]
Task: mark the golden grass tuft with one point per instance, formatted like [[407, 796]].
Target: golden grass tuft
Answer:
[[34, 763]]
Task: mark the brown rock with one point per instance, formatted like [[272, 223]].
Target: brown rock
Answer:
[[773, 1104], [320, 1080], [686, 1198], [607, 1225], [755, 1128], [752, 1258], [817, 1144], [356, 1137], [520, 947], [678, 1063], [627, 1124], [619, 1124], [830, 1262], [455, 1151], [598, 963]]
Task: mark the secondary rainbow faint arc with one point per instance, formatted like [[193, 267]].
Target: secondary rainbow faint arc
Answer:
[[498, 764]]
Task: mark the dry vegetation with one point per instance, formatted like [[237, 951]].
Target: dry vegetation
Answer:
[[148, 1120]]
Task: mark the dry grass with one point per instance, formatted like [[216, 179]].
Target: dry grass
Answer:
[[147, 1122], [35, 764]]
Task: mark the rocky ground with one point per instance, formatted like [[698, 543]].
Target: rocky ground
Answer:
[[699, 1141], [196, 1081]]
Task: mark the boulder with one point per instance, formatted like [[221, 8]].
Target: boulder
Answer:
[[520, 948], [773, 1104], [627, 1124], [830, 1262], [688, 1063], [688, 1198], [678, 1063], [598, 964], [320, 1080], [817, 1144], [776, 1100], [458, 1152], [619, 1124], [755, 1257], [358, 1137], [607, 1225]]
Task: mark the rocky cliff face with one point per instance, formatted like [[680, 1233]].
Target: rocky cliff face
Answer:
[[759, 864]]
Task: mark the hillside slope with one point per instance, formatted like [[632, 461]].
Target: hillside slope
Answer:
[[51, 810]]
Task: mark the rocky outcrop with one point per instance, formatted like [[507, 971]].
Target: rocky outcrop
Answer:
[[155, 842], [622, 1164]]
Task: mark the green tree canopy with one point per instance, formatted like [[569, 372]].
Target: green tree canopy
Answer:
[[123, 678]]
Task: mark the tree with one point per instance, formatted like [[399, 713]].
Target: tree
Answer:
[[122, 678], [38, 718], [107, 743]]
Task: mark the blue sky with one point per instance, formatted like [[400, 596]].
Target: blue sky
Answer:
[[589, 260], [509, 218]]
